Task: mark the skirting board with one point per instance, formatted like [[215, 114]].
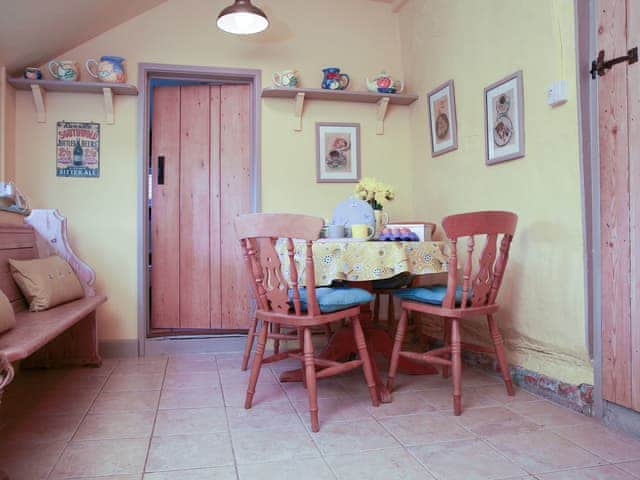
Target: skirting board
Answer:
[[621, 418], [173, 345]]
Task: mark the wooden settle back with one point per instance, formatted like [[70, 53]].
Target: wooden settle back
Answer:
[[17, 242], [258, 234], [479, 286]]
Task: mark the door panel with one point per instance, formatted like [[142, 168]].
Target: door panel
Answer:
[[194, 207], [214, 222], [165, 216], [235, 192]]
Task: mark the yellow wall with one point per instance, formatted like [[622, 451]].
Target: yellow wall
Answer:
[[7, 127], [476, 43], [306, 35]]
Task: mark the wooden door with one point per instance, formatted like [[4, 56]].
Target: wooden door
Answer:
[[619, 134], [202, 136]]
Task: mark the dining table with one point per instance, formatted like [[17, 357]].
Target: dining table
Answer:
[[361, 264]]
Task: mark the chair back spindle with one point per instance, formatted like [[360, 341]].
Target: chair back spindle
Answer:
[[479, 288]]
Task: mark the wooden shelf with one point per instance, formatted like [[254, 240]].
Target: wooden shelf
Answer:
[[382, 100], [39, 88]]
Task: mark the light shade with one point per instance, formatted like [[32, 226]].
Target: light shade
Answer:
[[242, 18]]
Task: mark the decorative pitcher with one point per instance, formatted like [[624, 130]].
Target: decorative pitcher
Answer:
[[286, 78], [66, 70], [333, 79], [384, 83], [109, 69]]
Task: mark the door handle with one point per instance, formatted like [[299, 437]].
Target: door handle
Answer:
[[161, 170]]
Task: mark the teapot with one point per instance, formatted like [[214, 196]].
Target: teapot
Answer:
[[66, 70], [286, 78], [384, 83], [109, 69]]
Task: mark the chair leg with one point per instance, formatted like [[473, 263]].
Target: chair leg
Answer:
[[361, 344], [249, 345], [390, 313], [257, 364], [310, 374], [502, 359], [446, 337], [301, 343], [276, 341], [376, 309], [456, 359], [397, 345]]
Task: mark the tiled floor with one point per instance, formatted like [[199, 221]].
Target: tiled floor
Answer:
[[182, 418]]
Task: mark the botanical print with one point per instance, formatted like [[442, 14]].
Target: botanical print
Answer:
[[338, 152], [78, 149], [442, 119], [504, 120]]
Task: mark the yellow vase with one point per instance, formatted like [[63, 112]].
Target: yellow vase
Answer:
[[381, 220]]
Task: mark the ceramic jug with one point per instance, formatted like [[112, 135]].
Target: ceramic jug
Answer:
[[333, 79], [66, 70], [109, 69], [384, 83], [286, 78]]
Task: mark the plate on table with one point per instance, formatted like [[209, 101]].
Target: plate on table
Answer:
[[353, 211]]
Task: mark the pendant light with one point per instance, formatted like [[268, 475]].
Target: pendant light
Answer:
[[242, 18]]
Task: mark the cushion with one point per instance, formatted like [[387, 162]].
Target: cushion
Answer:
[[7, 317], [433, 295], [46, 282], [334, 299]]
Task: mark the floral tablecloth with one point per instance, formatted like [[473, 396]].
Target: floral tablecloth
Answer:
[[364, 261]]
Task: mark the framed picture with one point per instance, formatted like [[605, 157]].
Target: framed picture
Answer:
[[78, 149], [504, 119], [442, 119], [337, 152]]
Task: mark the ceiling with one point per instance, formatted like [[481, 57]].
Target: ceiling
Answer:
[[34, 31]]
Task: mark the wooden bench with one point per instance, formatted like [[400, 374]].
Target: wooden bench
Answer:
[[61, 336]]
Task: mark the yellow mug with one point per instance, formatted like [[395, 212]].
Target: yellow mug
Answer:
[[362, 231]]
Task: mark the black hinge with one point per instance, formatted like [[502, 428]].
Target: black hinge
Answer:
[[600, 67]]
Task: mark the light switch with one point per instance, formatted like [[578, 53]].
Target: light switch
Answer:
[[557, 93]]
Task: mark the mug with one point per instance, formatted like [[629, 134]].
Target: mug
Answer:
[[362, 231], [285, 78], [335, 231], [32, 73], [66, 70]]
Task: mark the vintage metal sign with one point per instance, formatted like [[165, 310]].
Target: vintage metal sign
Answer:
[[78, 149]]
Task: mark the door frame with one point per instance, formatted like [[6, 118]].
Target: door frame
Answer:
[[147, 72]]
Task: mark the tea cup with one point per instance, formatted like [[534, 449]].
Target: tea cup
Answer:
[[32, 73], [335, 231], [362, 231]]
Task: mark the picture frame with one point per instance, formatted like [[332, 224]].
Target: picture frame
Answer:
[[504, 119], [337, 152], [78, 149], [443, 121]]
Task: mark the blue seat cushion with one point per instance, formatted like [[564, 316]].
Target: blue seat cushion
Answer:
[[433, 295], [333, 299]]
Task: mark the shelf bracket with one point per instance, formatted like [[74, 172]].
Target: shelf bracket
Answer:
[[39, 96], [298, 109], [108, 105], [383, 104]]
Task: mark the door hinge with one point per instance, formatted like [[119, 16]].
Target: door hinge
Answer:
[[600, 66]]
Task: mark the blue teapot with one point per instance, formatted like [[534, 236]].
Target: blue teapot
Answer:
[[333, 79]]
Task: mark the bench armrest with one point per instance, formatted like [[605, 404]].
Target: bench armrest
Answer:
[[52, 238], [6, 372]]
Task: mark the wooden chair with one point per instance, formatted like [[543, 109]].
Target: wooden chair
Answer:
[[476, 296], [281, 303]]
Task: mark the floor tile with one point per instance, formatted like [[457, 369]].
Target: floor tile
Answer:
[[465, 460], [20, 463], [403, 403], [190, 421], [183, 452], [491, 421], [234, 395], [216, 473], [133, 382], [543, 451], [191, 398], [102, 457], [631, 467], [327, 388], [426, 428], [336, 409], [442, 398], [339, 437], [236, 376], [295, 469], [282, 445], [109, 402], [116, 425], [65, 402], [149, 368], [499, 393], [547, 414], [262, 416], [192, 363], [110, 477], [611, 445], [37, 429], [185, 381], [378, 465], [606, 472]]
